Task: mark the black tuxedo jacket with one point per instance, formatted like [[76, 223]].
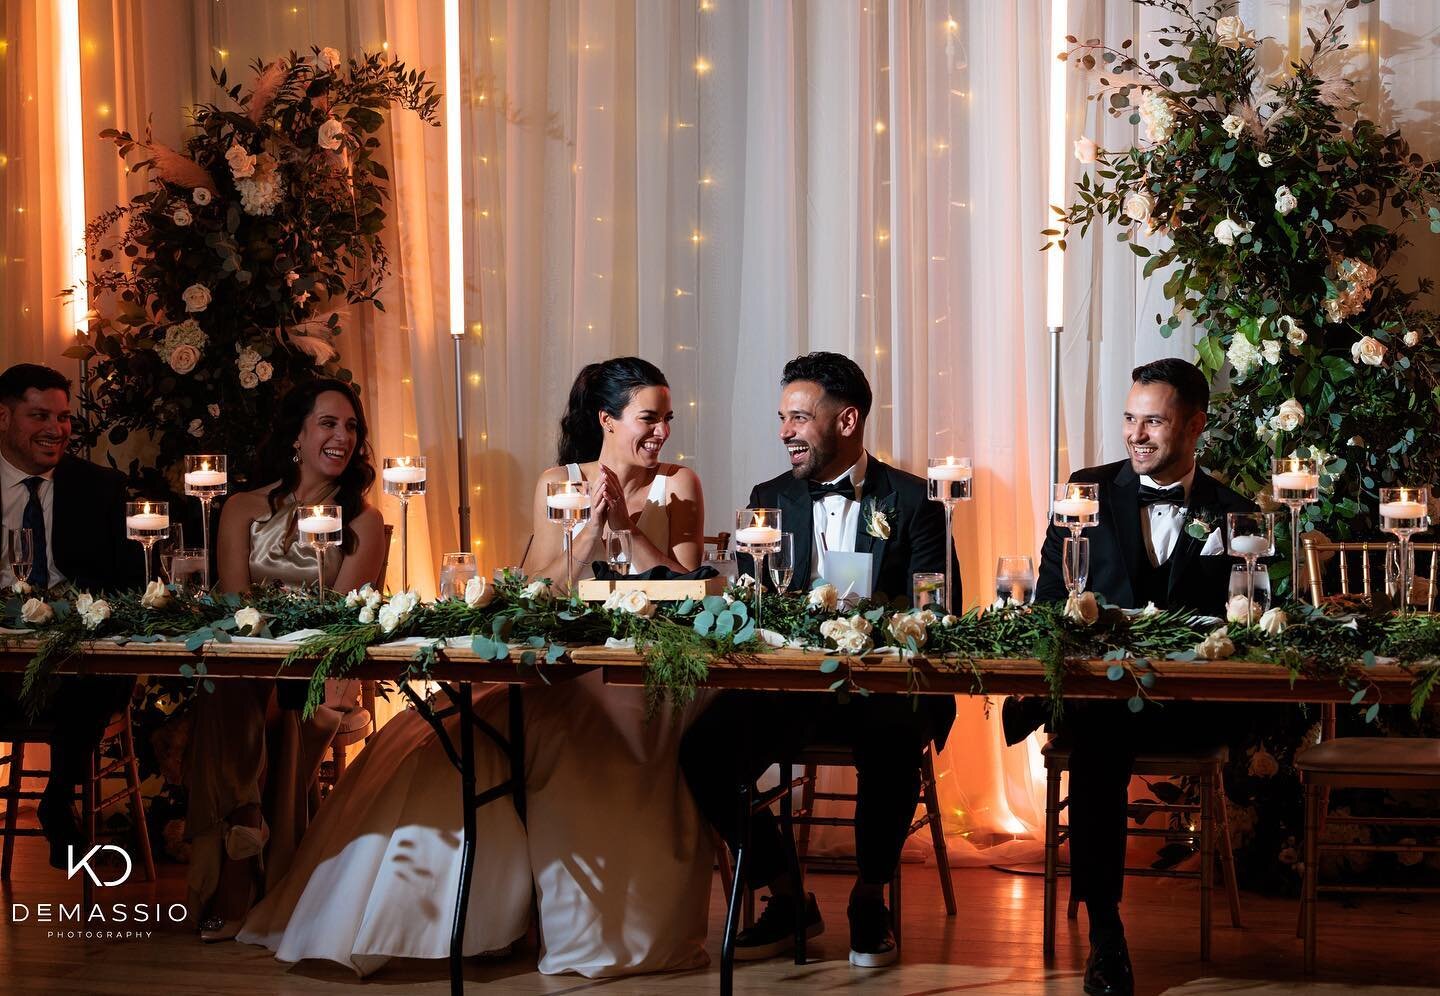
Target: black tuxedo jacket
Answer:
[[1118, 561], [917, 544], [88, 533]]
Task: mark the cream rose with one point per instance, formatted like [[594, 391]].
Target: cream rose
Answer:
[[1291, 330], [196, 298], [1285, 201], [1082, 608], [948, 621], [1240, 610], [264, 371], [1290, 416], [248, 619], [1085, 150], [156, 596], [181, 216], [823, 598], [1139, 204], [1411, 338], [183, 358], [93, 611], [328, 137], [20, 587], [248, 380], [1264, 160], [1263, 764], [202, 196], [36, 611], [1216, 646], [1368, 350], [1270, 350], [1274, 621], [905, 627], [1231, 33], [328, 59], [478, 594], [536, 590], [1228, 230], [1233, 125], [242, 163], [850, 636], [366, 615]]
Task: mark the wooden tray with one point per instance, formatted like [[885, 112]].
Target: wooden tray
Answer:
[[594, 590]]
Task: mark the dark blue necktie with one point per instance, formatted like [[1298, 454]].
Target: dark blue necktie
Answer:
[[34, 521]]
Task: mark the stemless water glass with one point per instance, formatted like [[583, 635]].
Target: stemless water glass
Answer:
[[567, 504], [322, 527], [20, 552], [187, 568], [782, 562], [1075, 562], [169, 548], [1015, 580], [927, 591], [1253, 585], [456, 570], [617, 551], [1251, 536]]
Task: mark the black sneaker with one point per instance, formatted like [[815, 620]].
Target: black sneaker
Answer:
[[774, 932], [872, 942]]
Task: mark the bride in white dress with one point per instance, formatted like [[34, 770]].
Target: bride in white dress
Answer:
[[615, 851]]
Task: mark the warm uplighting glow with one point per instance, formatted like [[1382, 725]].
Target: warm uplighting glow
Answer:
[[1055, 259], [454, 190]]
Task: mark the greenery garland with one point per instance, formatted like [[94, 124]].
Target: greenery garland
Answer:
[[517, 619]]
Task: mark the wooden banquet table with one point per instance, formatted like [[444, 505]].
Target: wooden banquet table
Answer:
[[458, 669]]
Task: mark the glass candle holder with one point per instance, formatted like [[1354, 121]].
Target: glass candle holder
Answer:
[[1295, 483], [1403, 513], [322, 526], [147, 522], [949, 479], [1014, 580], [206, 478], [927, 591], [758, 533], [1250, 536], [567, 504], [403, 477], [1075, 507]]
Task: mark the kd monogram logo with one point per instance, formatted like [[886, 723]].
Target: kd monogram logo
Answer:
[[85, 863]]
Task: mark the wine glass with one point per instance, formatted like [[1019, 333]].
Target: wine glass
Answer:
[[568, 504], [1251, 536], [927, 590], [456, 570], [147, 522], [617, 551], [1253, 585], [949, 479], [757, 532], [1015, 580], [403, 477], [206, 478], [1295, 482], [1403, 513], [320, 526], [20, 552], [1075, 564], [782, 565]]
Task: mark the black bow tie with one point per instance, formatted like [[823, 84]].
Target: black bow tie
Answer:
[[844, 487], [1173, 495]]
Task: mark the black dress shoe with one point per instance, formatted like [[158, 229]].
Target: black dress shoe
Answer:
[[1108, 972], [774, 932], [57, 819], [872, 941]]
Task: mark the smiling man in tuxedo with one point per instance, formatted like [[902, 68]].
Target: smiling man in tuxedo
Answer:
[[1158, 541], [835, 497], [75, 511]]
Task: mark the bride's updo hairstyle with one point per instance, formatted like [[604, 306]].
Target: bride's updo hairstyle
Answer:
[[606, 387]]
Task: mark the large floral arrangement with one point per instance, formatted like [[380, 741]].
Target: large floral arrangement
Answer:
[[224, 281], [1279, 210]]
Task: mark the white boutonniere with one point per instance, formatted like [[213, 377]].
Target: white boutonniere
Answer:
[[877, 518], [1198, 526]]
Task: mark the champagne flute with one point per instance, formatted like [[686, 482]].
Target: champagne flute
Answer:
[[20, 552], [782, 564]]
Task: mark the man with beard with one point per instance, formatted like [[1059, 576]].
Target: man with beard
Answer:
[[75, 511], [1159, 540], [835, 497]]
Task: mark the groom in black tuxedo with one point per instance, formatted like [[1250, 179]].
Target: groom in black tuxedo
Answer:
[[75, 511], [1159, 540], [835, 497]]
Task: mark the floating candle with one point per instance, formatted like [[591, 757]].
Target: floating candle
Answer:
[[758, 536], [950, 472], [403, 474], [1249, 545], [147, 522], [571, 501], [1077, 507], [319, 524], [205, 478], [1297, 480], [1401, 510]]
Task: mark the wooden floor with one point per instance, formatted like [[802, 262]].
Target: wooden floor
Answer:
[[993, 946]]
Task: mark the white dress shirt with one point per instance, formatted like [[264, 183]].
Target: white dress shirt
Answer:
[[16, 495], [1162, 525], [837, 518]]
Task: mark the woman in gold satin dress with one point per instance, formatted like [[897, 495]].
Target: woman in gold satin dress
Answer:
[[252, 759]]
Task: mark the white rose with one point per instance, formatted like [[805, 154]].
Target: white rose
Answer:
[[353, 598], [1290, 416], [1158, 114], [948, 621], [1243, 355], [1264, 160], [1273, 622], [242, 163], [196, 428], [183, 358], [181, 216], [1368, 350], [196, 297], [1082, 608], [93, 611], [1216, 646], [1270, 350], [477, 593], [1411, 338], [328, 59], [248, 618], [1228, 230], [1150, 610], [1291, 330], [1231, 33], [1139, 204], [879, 525], [1285, 201], [248, 379], [1085, 150], [366, 615], [1233, 125], [637, 603], [328, 137], [36, 611], [247, 358], [861, 625], [264, 370], [388, 617], [536, 590], [823, 598], [202, 196], [927, 617], [905, 627], [1240, 610]]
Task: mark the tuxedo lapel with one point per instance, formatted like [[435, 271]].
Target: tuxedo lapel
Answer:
[[1125, 518], [875, 490], [1203, 495], [798, 519]]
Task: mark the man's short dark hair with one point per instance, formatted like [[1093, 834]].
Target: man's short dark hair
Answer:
[[840, 376], [1184, 376], [16, 382]]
